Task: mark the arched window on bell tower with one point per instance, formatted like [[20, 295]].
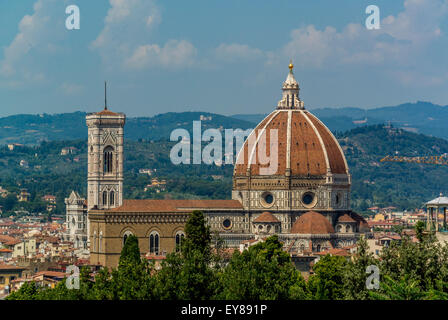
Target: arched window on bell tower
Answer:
[[105, 198], [108, 159], [111, 198]]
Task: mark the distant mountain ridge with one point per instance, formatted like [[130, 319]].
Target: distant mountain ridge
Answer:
[[374, 183], [418, 117], [33, 129]]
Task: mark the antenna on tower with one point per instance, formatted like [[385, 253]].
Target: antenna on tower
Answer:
[[105, 95]]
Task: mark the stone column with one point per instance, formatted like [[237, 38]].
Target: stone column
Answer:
[[437, 219], [444, 218]]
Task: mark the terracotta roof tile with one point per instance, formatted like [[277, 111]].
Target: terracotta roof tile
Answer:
[[5, 238], [107, 112], [52, 274], [155, 257], [267, 217], [334, 252], [346, 218], [10, 267]]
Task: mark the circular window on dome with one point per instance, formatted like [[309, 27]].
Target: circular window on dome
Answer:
[[267, 199], [227, 224], [309, 199]]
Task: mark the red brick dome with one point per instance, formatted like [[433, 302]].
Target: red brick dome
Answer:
[[306, 147], [312, 223]]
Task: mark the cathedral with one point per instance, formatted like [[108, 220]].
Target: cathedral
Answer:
[[305, 201]]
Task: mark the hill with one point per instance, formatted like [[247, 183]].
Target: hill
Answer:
[[419, 117], [406, 186], [33, 129]]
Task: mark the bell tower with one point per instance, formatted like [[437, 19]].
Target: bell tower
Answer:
[[105, 158]]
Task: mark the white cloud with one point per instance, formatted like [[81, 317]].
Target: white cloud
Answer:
[[402, 40], [172, 55], [124, 39], [399, 37], [237, 52], [71, 88], [37, 35], [418, 23]]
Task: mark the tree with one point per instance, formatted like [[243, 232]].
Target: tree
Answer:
[[419, 229], [132, 279], [189, 274], [198, 235], [327, 281], [397, 229], [103, 288], [401, 289], [423, 262], [9, 202], [439, 292], [59, 292], [355, 275], [263, 272], [28, 291]]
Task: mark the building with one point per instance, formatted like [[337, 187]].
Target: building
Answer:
[[8, 274], [12, 146], [24, 248], [379, 217], [436, 213], [156, 185], [412, 218], [8, 242], [23, 163], [145, 171], [51, 202], [3, 192], [68, 150], [48, 279], [380, 241], [303, 195], [383, 225], [76, 223], [49, 198], [5, 254], [24, 195]]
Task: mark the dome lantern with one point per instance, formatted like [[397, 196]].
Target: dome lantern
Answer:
[[290, 98]]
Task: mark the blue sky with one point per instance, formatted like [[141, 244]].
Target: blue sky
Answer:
[[225, 57]]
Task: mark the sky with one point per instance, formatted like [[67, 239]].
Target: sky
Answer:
[[226, 57]]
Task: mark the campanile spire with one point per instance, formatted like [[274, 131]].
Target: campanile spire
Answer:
[[105, 95]]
